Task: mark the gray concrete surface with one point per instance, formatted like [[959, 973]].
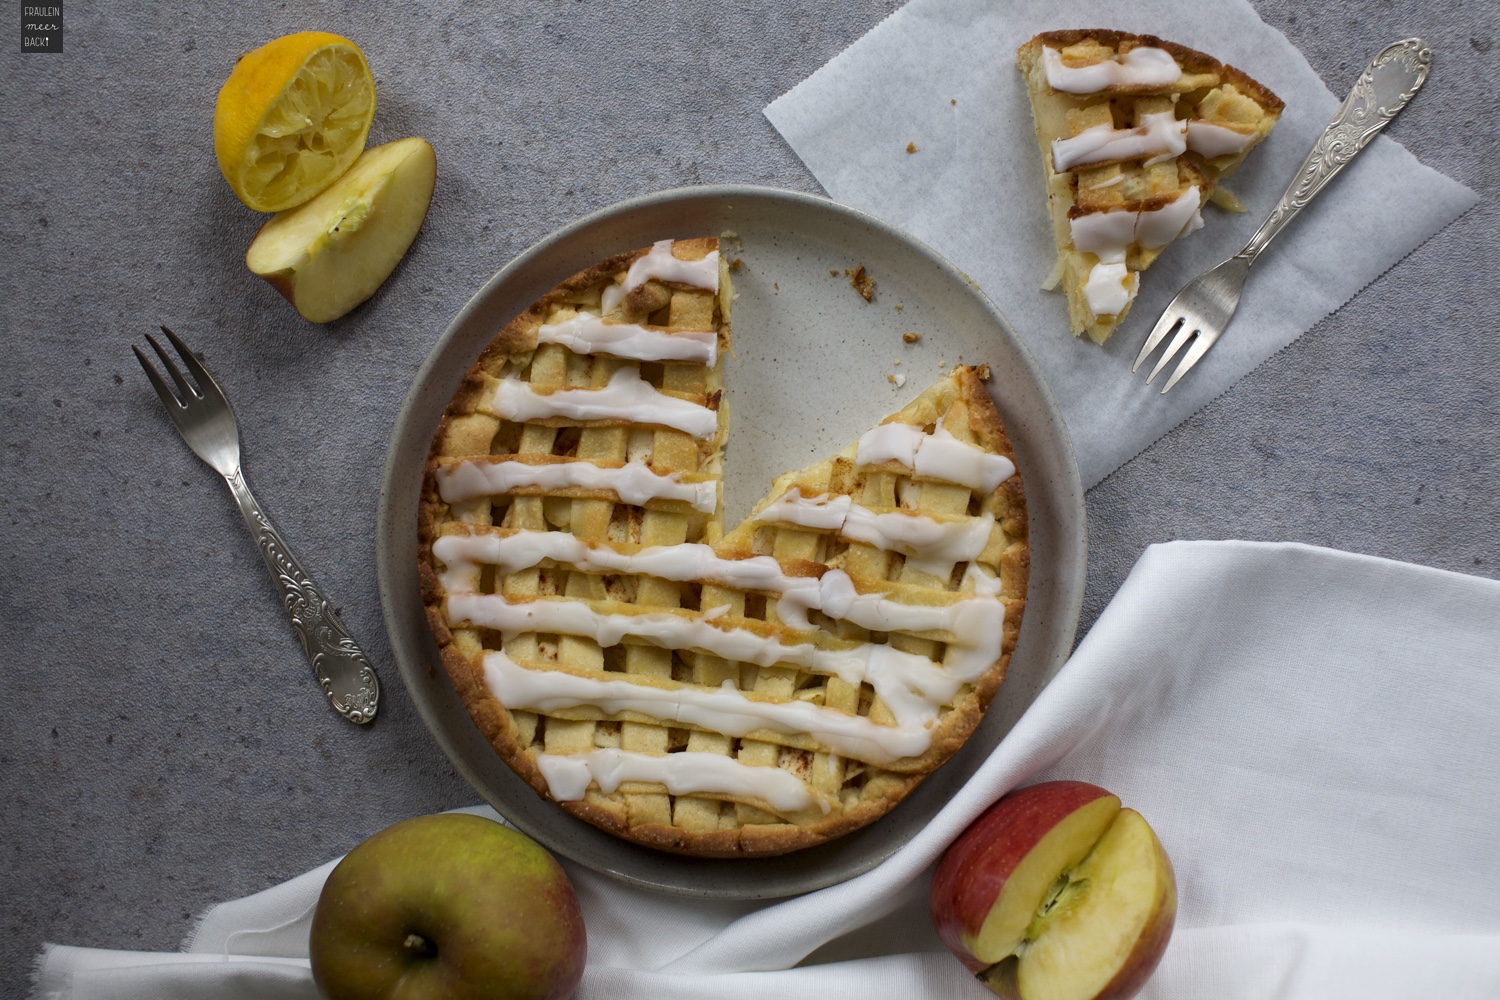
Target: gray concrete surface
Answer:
[[161, 745]]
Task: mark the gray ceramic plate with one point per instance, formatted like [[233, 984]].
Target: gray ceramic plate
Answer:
[[809, 373]]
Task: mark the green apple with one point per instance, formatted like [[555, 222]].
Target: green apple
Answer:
[[1057, 893], [328, 255], [450, 906]]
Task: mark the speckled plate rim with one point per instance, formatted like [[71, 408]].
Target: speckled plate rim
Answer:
[[1044, 454]]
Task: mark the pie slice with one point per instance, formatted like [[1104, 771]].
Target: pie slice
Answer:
[[714, 694], [1135, 134]]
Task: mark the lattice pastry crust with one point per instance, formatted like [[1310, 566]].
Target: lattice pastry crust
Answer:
[[718, 695], [1136, 134]]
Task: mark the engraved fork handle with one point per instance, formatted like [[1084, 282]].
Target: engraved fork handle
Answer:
[[1383, 89], [342, 669]]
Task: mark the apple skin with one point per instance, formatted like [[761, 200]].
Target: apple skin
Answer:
[[328, 255], [1057, 892], [977, 866], [448, 906]]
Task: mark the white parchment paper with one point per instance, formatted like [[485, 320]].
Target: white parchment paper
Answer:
[[941, 74]]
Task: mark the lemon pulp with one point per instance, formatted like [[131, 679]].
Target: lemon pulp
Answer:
[[292, 117]]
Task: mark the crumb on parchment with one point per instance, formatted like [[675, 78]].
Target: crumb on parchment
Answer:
[[911, 336], [833, 272], [736, 264], [911, 147], [982, 373], [898, 307], [861, 282]]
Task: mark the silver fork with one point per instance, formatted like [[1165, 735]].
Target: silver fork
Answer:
[[1203, 308], [204, 419]]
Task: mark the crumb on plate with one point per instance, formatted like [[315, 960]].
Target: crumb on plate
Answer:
[[861, 282]]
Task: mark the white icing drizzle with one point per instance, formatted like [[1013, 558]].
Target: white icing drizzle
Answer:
[[659, 264], [926, 540], [1104, 233], [938, 455], [687, 561], [982, 583], [588, 334], [1210, 140], [1110, 287], [822, 512], [569, 776], [930, 545], [611, 297], [1158, 137], [633, 482], [723, 710], [627, 397], [834, 593], [1173, 221], [1107, 233], [1140, 67], [910, 684]]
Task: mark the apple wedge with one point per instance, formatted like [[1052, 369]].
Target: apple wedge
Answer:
[[1057, 893], [331, 253]]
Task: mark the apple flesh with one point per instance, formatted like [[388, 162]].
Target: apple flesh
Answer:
[[328, 255], [449, 906], [1057, 893]]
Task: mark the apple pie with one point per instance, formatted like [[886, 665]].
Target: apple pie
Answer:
[[1136, 133], [718, 694]]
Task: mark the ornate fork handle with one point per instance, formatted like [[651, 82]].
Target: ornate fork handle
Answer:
[[1382, 90], [342, 669]]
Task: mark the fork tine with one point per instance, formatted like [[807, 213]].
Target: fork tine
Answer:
[[1184, 334], [186, 390], [206, 381], [1200, 347], [171, 402], [1164, 326]]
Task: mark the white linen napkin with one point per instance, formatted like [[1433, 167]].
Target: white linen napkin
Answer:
[[1312, 734], [941, 74]]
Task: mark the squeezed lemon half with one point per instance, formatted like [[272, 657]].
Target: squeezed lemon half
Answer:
[[292, 117]]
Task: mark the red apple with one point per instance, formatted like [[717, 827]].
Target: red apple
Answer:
[[451, 906], [1057, 893]]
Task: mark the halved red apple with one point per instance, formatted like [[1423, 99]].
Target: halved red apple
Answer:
[[1057, 893]]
